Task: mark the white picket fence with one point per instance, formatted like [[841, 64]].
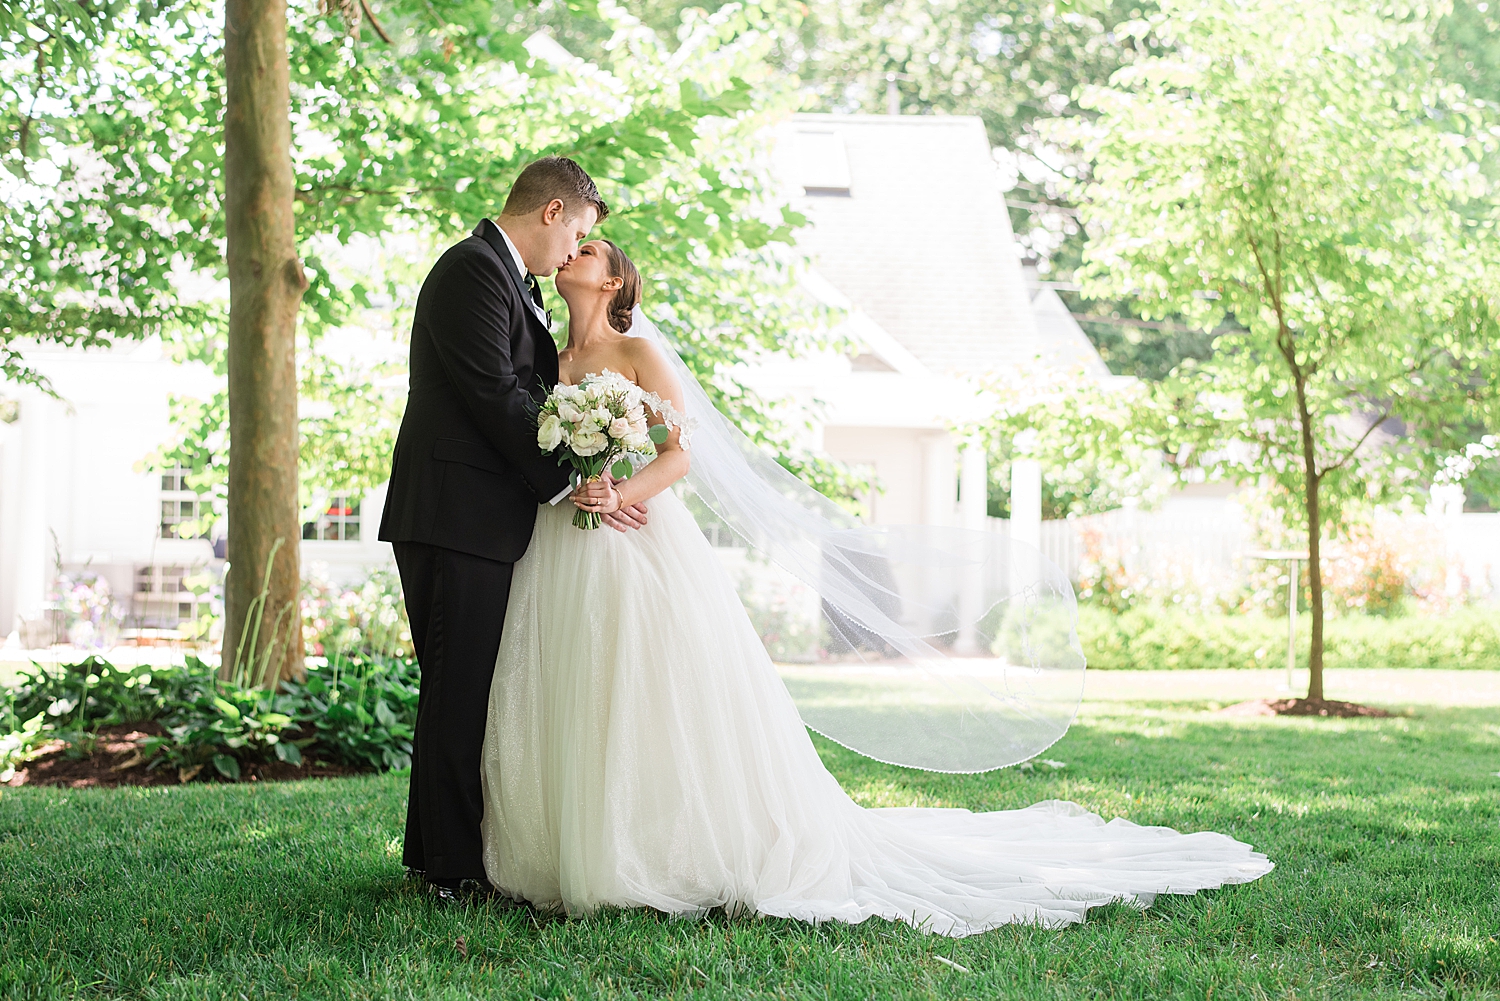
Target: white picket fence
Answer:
[[1210, 546]]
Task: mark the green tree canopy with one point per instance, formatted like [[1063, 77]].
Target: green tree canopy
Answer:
[[409, 119]]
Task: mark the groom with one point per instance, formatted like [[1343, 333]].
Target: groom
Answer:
[[466, 480]]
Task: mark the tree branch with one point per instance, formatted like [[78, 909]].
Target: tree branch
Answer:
[[1362, 439], [24, 133], [308, 195], [374, 22]]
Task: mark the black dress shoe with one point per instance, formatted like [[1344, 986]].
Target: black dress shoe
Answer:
[[460, 891]]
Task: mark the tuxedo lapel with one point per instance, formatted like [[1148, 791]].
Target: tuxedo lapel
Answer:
[[541, 338], [490, 233]]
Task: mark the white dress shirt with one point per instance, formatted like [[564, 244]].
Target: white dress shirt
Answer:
[[540, 315]]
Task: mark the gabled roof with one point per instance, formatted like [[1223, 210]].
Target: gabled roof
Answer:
[[874, 340], [1062, 344], [908, 221]]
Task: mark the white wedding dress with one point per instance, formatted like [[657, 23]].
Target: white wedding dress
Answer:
[[643, 751]]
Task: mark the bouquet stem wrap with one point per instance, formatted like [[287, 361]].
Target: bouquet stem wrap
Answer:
[[588, 519]]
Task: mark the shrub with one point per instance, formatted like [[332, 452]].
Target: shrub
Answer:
[[224, 725], [1367, 574], [85, 696], [1168, 639], [361, 713]]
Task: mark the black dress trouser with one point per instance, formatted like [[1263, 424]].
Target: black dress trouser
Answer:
[[456, 603]]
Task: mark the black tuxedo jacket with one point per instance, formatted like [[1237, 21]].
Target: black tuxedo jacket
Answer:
[[467, 473]]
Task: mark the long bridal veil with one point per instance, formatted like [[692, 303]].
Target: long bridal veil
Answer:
[[932, 647]]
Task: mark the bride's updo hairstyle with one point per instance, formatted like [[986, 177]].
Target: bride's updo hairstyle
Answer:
[[629, 293]]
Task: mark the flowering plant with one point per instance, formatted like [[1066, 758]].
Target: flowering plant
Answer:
[[597, 425], [90, 611], [366, 620]]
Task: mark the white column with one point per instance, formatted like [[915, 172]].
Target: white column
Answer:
[[1025, 522], [1026, 502], [29, 569], [973, 491], [939, 480]]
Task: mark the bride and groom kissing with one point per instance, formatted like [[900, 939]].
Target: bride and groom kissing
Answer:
[[599, 722]]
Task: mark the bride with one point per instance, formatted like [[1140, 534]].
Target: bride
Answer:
[[643, 751]]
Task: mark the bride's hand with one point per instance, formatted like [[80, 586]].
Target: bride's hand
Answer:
[[598, 496], [621, 519]]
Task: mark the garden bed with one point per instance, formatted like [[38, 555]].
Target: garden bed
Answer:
[[1305, 707], [115, 757], [96, 724]]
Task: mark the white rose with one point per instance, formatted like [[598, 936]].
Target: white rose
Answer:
[[588, 424], [619, 427], [549, 433], [639, 442], [591, 443], [568, 412]]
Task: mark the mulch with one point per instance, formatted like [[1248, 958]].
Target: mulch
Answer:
[[115, 761], [1303, 707]]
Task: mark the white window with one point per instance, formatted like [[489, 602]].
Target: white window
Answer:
[[339, 521], [163, 596], [183, 511], [822, 164]]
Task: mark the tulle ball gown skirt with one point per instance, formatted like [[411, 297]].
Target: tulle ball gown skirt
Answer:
[[643, 752]]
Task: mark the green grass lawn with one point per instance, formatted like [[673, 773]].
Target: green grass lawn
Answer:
[[1386, 835]]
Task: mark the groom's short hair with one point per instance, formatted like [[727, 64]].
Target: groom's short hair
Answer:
[[554, 177]]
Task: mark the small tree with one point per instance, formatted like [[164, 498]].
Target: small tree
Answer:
[[1296, 173]]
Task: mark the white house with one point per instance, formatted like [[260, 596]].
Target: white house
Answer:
[[909, 235], [75, 493]]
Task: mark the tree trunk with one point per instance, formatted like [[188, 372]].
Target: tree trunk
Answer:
[[1315, 586], [262, 636], [1312, 480]]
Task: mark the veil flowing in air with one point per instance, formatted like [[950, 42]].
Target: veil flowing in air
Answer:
[[939, 648]]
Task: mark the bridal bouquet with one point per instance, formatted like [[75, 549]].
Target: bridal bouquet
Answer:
[[597, 425]]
